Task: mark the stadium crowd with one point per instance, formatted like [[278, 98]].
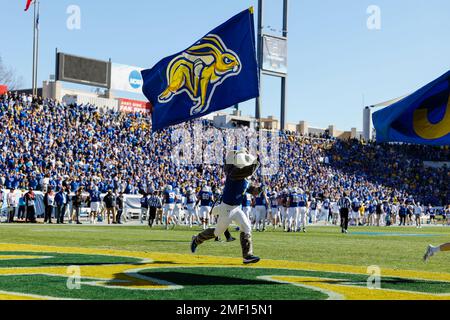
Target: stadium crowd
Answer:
[[49, 145]]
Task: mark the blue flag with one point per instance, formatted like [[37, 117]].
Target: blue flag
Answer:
[[421, 118], [217, 72]]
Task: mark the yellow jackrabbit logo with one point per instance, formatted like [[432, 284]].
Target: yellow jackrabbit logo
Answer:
[[199, 70]]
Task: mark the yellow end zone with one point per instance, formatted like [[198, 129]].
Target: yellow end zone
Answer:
[[126, 276]]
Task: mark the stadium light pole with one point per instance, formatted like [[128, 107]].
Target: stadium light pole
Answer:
[[259, 56], [284, 79], [36, 22], [34, 48]]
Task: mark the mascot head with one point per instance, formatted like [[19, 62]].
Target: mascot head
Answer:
[[240, 158]]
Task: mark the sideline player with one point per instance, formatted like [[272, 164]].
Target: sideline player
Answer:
[[191, 199], [303, 211], [169, 205], [261, 205], [313, 211], [247, 201], [431, 251], [282, 203], [240, 166], [206, 200], [355, 217], [144, 207], [275, 210], [179, 204], [293, 210], [95, 199]]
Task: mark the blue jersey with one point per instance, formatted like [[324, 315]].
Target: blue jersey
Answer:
[[247, 200], [302, 202], [191, 198], [313, 205], [274, 203], [234, 192], [326, 204], [169, 197], [260, 200], [294, 200], [144, 202], [95, 196], [179, 198], [206, 199]]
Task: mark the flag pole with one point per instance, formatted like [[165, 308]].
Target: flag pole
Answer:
[[37, 47], [34, 47]]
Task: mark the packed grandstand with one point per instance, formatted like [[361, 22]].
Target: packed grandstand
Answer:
[[46, 143]]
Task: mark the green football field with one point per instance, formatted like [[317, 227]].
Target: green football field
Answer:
[[134, 262]]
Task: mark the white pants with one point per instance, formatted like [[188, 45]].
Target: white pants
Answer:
[[228, 214], [284, 214], [302, 217], [313, 214], [324, 214], [191, 211], [204, 212], [292, 217], [144, 212], [260, 214], [168, 209], [178, 212], [247, 211]]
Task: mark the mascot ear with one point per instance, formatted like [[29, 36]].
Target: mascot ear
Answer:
[[245, 160]]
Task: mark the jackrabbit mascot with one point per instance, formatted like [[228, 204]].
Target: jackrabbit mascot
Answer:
[[240, 165]]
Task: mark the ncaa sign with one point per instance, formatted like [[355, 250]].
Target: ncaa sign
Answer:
[[126, 78], [135, 79]]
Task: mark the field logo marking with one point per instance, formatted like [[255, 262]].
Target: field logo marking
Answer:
[[127, 275]]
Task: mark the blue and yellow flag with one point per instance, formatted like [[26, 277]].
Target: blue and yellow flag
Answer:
[[421, 118], [216, 72]]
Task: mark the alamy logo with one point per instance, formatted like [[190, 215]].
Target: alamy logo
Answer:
[[199, 70]]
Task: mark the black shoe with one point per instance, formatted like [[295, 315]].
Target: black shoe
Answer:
[[217, 240], [194, 245], [231, 239], [251, 259], [79, 223]]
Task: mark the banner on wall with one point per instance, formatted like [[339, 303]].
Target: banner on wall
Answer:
[[3, 89], [131, 106], [126, 78]]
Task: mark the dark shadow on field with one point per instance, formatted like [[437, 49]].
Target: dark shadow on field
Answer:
[[191, 279], [171, 241]]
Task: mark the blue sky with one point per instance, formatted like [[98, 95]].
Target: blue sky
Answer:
[[334, 59]]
